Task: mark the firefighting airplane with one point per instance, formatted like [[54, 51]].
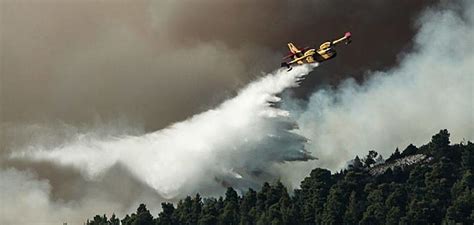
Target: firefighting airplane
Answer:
[[311, 55]]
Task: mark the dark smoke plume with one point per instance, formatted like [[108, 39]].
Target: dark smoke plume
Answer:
[[157, 62]]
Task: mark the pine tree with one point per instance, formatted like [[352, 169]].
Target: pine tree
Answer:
[[357, 164], [313, 195], [98, 220], [248, 208], [274, 215], [335, 207], [393, 216], [462, 209], [262, 198], [418, 211], [396, 155], [439, 145], [370, 158], [375, 212], [263, 220], [351, 216], [166, 217], [468, 157], [184, 211], [397, 198], [462, 206], [196, 207], [210, 213], [441, 139], [114, 220], [143, 216], [127, 220], [409, 150], [438, 186], [230, 215]]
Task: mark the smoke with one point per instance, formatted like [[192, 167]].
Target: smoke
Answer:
[[233, 144], [26, 200], [432, 89]]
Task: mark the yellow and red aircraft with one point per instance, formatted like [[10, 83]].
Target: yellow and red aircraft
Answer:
[[311, 55]]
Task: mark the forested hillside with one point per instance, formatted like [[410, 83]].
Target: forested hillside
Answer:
[[432, 184]]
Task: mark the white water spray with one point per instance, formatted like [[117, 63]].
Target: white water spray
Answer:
[[235, 144]]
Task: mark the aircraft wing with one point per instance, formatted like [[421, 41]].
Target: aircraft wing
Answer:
[[289, 56]]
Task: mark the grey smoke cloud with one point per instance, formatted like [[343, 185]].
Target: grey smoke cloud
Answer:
[[73, 61], [27, 199], [77, 60], [432, 89]]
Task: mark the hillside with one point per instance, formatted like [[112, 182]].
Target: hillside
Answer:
[[432, 184], [401, 163]]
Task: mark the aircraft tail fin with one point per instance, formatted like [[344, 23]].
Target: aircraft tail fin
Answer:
[[293, 48]]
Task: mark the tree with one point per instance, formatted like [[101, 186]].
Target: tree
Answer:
[[375, 212], [262, 198], [263, 220], [313, 195], [438, 187], [462, 209], [209, 213], [351, 216], [183, 212], [127, 220], [196, 207], [439, 145], [230, 215], [275, 193], [463, 195], [280, 211], [416, 178], [467, 181], [335, 207], [418, 211], [395, 203], [143, 216], [397, 198], [357, 164], [274, 215], [441, 139], [114, 220], [98, 220], [409, 150], [396, 155], [370, 158], [248, 208], [468, 157], [394, 216], [166, 217]]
